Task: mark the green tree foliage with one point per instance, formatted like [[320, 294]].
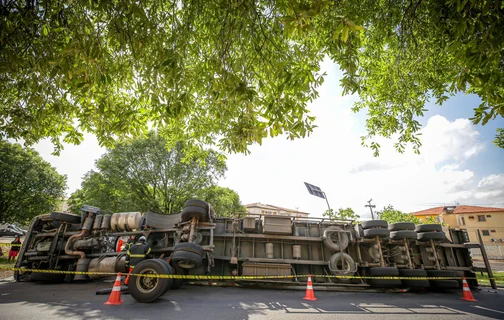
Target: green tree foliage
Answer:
[[225, 201], [142, 174], [233, 72], [499, 139], [29, 186], [392, 215], [341, 214]]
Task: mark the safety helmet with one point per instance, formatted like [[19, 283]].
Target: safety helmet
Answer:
[[142, 238]]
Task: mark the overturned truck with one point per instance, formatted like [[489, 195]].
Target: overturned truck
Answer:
[[196, 242]]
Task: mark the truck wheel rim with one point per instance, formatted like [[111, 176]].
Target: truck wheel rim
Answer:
[[147, 284], [186, 264]]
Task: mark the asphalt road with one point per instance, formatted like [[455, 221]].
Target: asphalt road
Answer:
[[78, 301]]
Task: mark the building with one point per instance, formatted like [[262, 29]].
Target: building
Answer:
[[259, 208], [489, 220]]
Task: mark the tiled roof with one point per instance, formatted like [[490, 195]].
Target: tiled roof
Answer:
[[458, 209], [474, 209], [429, 212]]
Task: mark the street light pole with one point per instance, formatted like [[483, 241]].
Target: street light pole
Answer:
[[328, 206]]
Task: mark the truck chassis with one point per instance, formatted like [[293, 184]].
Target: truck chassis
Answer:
[[285, 249]]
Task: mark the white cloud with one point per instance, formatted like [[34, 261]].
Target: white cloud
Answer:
[[489, 191]]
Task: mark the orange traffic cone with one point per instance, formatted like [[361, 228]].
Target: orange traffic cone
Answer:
[[310, 295], [466, 291], [126, 282], [115, 295]]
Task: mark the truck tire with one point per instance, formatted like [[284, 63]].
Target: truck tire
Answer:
[[444, 284], [189, 212], [187, 260], [414, 273], [371, 233], [331, 239], [189, 247], [347, 268], [170, 281], [374, 224], [66, 217], [177, 283], [403, 234], [460, 275], [399, 226], [426, 236], [146, 289], [429, 228], [384, 272], [196, 203]]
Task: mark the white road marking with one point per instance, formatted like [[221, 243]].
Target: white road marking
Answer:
[[5, 294], [479, 307], [177, 307]]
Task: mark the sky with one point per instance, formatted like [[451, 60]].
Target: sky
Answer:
[[458, 163]]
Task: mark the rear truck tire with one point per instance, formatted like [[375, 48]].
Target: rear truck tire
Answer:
[[374, 224], [460, 274], [331, 239], [189, 212], [426, 236], [403, 234], [196, 203], [399, 226], [146, 289], [429, 228], [371, 233], [65, 217], [348, 266], [443, 284], [384, 272], [187, 260], [171, 271], [414, 273], [177, 283], [189, 247]]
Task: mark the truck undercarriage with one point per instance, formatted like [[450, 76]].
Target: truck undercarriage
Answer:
[[286, 249]]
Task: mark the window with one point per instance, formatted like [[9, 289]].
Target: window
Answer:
[[481, 219], [461, 221], [488, 216], [492, 231], [485, 232]]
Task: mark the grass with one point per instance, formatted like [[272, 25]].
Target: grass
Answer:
[[498, 275], [3, 261]]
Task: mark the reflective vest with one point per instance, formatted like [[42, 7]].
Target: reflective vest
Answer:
[[137, 253]]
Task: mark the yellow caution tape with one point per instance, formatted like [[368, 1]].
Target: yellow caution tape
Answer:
[[208, 277], [10, 245]]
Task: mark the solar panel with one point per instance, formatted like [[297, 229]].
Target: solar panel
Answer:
[[314, 190]]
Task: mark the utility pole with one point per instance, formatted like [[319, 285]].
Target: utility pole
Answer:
[[371, 206]]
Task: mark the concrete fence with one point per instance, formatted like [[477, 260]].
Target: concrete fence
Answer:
[[494, 252]]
